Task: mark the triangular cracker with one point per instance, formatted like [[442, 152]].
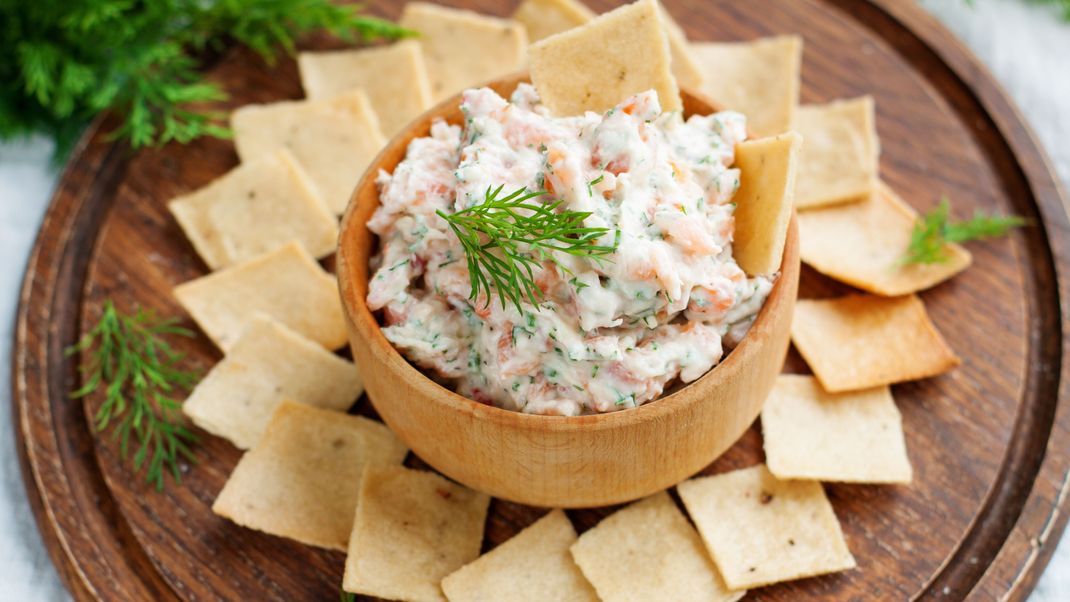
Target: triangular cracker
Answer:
[[762, 530], [685, 66], [839, 162], [394, 78], [852, 437], [269, 363], [648, 551], [862, 341], [544, 18], [302, 479], [596, 66], [462, 48], [286, 285], [272, 192], [412, 529], [764, 201], [863, 244]]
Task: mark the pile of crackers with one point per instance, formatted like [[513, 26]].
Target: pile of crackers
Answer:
[[317, 475]]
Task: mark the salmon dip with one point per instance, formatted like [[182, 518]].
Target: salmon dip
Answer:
[[609, 332]]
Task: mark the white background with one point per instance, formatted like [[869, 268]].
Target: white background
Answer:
[[1026, 47]]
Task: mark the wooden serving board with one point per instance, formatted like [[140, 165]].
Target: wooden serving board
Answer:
[[990, 442]]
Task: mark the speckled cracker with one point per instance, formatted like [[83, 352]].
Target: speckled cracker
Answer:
[[535, 565], [764, 201], [863, 244], [838, 164], [596, 66], [862, 341], [412, 529], [759, 78], [648, 551], [394, 78], [302, 479], [462, 48], [852, 437], [685, 66], [762, 530], [269, 363], [334, 140], [286, 285], [274, 194], [544, 18]]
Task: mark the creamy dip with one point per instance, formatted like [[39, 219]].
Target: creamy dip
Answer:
[[609, 333]]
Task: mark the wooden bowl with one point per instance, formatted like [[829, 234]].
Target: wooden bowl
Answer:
[[556, 461]]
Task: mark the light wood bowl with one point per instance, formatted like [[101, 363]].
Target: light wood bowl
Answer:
[[556, 461]]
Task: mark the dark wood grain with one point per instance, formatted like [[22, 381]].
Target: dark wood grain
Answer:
[[990, 442]]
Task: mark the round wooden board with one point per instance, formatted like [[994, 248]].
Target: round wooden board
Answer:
[[990, 442]]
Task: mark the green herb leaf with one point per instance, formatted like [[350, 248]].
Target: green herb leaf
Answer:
[[129, 358], [506, 238], [934, 230]]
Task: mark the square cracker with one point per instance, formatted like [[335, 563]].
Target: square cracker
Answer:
[[544, 18], [759, 78], [534, 566], [286, 285], [839, 162], [273, 193], [862, 244], [863, 341], [685, 66], [334, 140], [852, 437], [269, 363], [648, 551], [393, 77], [302, 479], [462, 48], [596, 66], [764, 201], [412, 529], [762, 530]]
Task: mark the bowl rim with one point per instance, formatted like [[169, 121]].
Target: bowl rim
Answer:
[[361, 318]]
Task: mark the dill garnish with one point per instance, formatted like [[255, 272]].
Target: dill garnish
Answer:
[[934, 231]]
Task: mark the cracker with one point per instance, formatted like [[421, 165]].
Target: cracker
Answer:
[[764, 201], [759, 78], [648, 551], [598, 65], [535, 565], [863, 341], [462, 48], [272, 192], [393, 77], [762, 530], [685, 66], [838, 164], [412, 529], [269, 363], [854, 437], [544, 18], [286, 285], [334, 140], [302, 479], [863, 243]]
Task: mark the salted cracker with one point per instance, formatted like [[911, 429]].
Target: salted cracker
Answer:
[[272, 192], [285, 285], [596, 66], [839, 162], [268, 364], [302, 479], [648, 551], [761, 530], [685, 66], [463, 48], [544, 18], [535, 565], [412, 528], [764, 201], [393, 77], [862, 341], [854, 437], [334, 140]]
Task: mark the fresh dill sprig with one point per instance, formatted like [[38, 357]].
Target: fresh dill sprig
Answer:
[[128, 357], [505, 238], [934, 231]]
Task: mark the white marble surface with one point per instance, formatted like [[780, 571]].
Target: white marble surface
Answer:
[[1023, 44]]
